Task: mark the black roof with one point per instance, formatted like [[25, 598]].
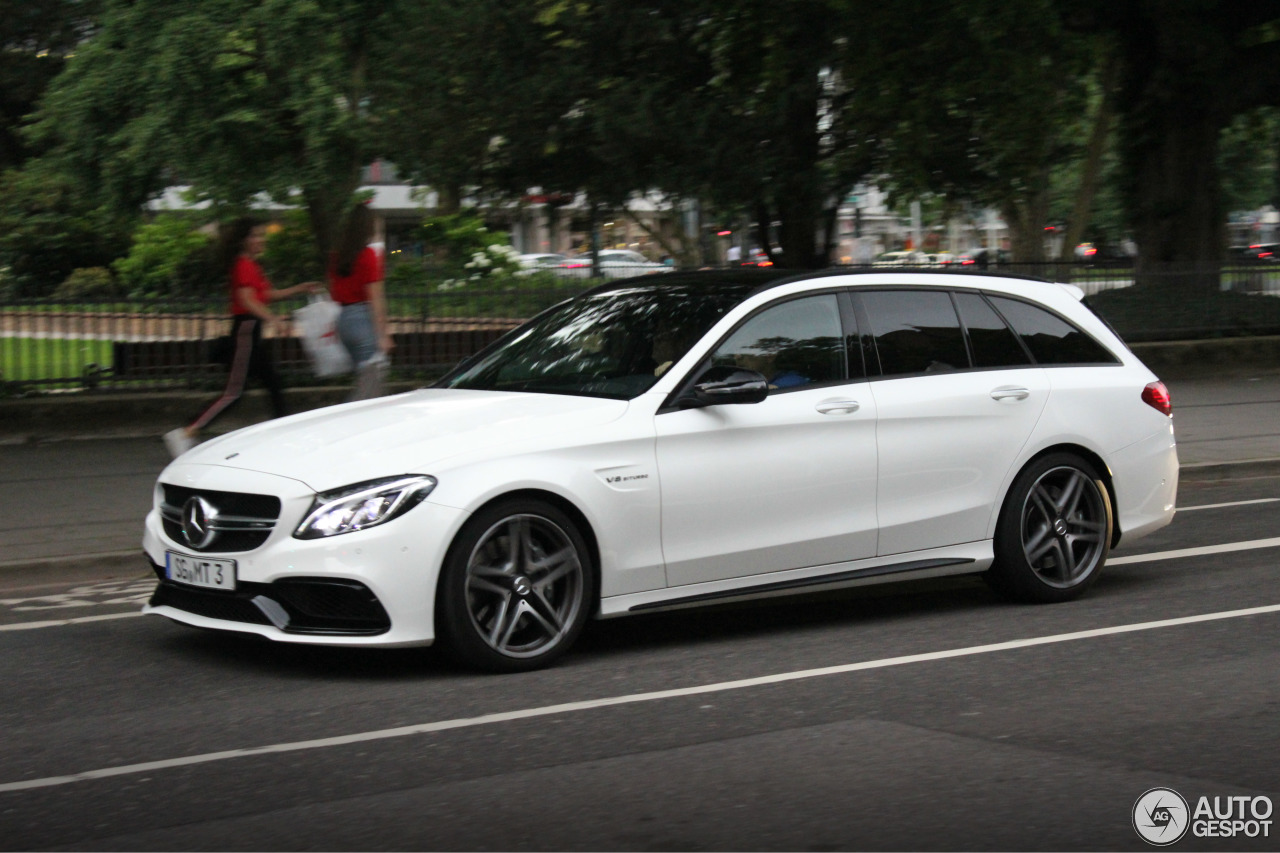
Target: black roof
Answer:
[[755, 279]]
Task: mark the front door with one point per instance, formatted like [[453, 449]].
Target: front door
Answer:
[[786, 483]]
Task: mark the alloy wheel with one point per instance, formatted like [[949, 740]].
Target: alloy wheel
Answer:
[[524, 586], [1064, 526]]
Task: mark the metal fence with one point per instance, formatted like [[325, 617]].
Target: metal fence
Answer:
[[170, 343]]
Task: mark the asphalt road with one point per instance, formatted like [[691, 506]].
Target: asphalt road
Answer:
[[704, 729]]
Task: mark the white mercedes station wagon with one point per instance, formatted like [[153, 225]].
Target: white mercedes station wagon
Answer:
[[688, 438]]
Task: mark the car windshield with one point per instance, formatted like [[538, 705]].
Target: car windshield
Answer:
[[614, 343]]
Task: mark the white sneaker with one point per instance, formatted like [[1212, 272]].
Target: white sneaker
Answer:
[[178, 442]]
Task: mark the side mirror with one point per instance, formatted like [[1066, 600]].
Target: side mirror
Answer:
[[719, 385]]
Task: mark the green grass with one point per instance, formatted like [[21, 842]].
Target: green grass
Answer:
[[35, 359]]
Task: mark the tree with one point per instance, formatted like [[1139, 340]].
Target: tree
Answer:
[[49, 227], [448, 80], [233, 97], [728, 103], [1189, 68], [34, 41], [1248, 160], [981, 105]]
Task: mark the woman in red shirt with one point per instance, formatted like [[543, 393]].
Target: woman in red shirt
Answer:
[[251, 293], [356, 283]]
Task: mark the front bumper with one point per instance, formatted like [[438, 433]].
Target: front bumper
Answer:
[[374, 587]]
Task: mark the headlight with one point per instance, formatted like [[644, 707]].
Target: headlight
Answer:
[[362, 505]]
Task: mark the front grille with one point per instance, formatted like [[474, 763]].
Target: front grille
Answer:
[[310, 605], [241, 522]]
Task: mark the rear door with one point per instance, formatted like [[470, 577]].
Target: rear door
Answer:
[[954, 411]]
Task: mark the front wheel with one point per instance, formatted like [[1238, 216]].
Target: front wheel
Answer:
[[1054, 531], [516, 588]]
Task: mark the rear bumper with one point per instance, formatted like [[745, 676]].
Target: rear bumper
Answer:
[[1145, 477]]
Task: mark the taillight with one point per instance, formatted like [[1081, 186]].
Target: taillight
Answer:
[[1156, 396]]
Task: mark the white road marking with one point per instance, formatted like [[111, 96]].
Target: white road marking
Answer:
[[634, 698], [1224, 506], [90, 595], [1195, 552]]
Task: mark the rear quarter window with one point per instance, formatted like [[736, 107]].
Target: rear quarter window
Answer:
[[992, 342], [1051, 339]]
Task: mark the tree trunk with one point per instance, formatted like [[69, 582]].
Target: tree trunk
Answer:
[[655, 234], [797, 195], [764, 223], [1091, 170], [448, 200], [1025, 218], [593, 227], [1173, 108], [1177, 205]]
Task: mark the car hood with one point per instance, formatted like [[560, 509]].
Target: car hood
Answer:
[[405, 434]]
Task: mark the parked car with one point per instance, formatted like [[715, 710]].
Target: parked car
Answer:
[[684, 439], [614, 263], [759, 258], [621, 263], [541, 260], [901, 259], [982, 259], [1258, 253]]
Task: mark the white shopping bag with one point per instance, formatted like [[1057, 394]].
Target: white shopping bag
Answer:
[[317, 323]]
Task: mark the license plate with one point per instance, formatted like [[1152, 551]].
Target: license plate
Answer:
[[198, 571]]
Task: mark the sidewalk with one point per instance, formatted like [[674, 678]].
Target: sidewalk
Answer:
[[73, 499]]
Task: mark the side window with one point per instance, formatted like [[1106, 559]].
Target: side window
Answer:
[[916, 331], [1051, 339], [797, 343], [992, 342]]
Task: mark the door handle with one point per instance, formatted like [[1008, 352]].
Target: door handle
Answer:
[[838, 407], [1009, 392]]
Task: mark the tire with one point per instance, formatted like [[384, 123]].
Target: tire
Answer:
[[517, 586], [1054, 531]]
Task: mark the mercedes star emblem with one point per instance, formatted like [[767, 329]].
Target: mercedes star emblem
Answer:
[[198, 517]]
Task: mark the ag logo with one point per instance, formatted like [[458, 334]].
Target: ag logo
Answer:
[[1161, 816]]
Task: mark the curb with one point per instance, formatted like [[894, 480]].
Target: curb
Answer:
[[128, 563]]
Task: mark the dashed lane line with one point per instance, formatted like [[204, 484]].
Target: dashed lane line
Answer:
[[1229, 504], [634, 698], [1207, 550]]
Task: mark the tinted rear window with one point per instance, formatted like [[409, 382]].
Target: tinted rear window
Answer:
[[1051, 339], [916, 331], [993, 343]]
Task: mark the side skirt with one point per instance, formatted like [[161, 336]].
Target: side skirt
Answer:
[[940, 562]]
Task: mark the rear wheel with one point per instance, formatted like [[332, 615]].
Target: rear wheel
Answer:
[[517, 587], [1054, 531]]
